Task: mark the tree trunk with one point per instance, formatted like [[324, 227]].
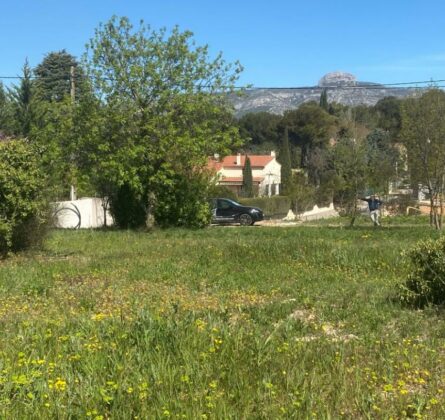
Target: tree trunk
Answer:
[[354, 213]]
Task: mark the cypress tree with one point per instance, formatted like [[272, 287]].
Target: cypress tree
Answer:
[[247, 178], [324, 100], [286, 170]]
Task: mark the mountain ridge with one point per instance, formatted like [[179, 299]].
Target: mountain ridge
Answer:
[[340, 87]]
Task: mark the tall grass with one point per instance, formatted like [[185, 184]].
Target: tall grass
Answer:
[[218, 323]]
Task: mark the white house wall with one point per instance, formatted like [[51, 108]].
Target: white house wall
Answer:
[[272, 176]]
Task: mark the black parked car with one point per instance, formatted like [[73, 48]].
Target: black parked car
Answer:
[[229, 211]]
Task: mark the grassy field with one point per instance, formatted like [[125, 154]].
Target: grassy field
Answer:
[[258, 323]]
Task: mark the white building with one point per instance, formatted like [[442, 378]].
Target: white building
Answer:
[[266, 172]]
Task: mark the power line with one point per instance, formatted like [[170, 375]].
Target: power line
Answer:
[[367, 85]]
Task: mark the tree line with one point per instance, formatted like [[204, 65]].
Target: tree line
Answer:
[[333, 152]]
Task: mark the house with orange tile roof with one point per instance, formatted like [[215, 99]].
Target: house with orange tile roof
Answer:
[[266, 172]]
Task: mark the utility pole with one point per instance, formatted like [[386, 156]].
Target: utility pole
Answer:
[[73, 194], [73, 84]]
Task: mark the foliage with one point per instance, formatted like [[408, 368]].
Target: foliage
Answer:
[[324, 100], [165, 111], [309, 127], [23, 207], [285, 160], [68, 136], [302, 193], [182, 201], [128, 208], [261, 130], [53, 76], [221, 191], [272, 207], [349, 160], [389, 116], [22, 98], [6, 114], [247, 187], [425, 284], [382, 160], [423, 134]]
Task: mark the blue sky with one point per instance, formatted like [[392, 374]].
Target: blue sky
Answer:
[[279, 43]]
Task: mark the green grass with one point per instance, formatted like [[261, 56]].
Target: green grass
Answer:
[[220, 323]]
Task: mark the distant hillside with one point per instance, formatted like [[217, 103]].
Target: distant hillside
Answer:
[[341, 88]]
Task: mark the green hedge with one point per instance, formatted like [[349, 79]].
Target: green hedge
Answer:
[[273, 207]]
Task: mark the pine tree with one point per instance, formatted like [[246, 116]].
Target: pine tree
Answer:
[[53, 77], [21, 98], [324, 100], [247, 178], [286, 170]]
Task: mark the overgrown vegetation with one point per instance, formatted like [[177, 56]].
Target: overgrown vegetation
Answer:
[[23, 205], [218, 323], [426, 283]]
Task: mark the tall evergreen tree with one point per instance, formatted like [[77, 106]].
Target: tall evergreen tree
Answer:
[[21, 97], [53, 76], [6, 118], [286, 170], [247, 178], [324, 100]]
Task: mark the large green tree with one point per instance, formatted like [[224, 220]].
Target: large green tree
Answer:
[[261, 130], [389, 118], [57, 74], [166, 110], [22, 98], [310, 127], [350, 166], [382, 160], [423, 133]]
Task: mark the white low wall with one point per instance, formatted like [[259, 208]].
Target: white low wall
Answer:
[[319, 213], [314, 214], [83, 213]]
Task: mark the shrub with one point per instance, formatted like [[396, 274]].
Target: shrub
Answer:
[[221, 191], [182, 201], [23, 204], [426, 283], [273, 207], [399, 204], [128, 208]]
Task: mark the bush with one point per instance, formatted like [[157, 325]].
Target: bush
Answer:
[[273, 207], [426, 284], [400, 203], [128, 208], [23, 204], [221, 191], [182, 201]]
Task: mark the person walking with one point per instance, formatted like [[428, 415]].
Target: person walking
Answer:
[[374, 208]]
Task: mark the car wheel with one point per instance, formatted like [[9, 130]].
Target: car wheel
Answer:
[[245, 220]]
